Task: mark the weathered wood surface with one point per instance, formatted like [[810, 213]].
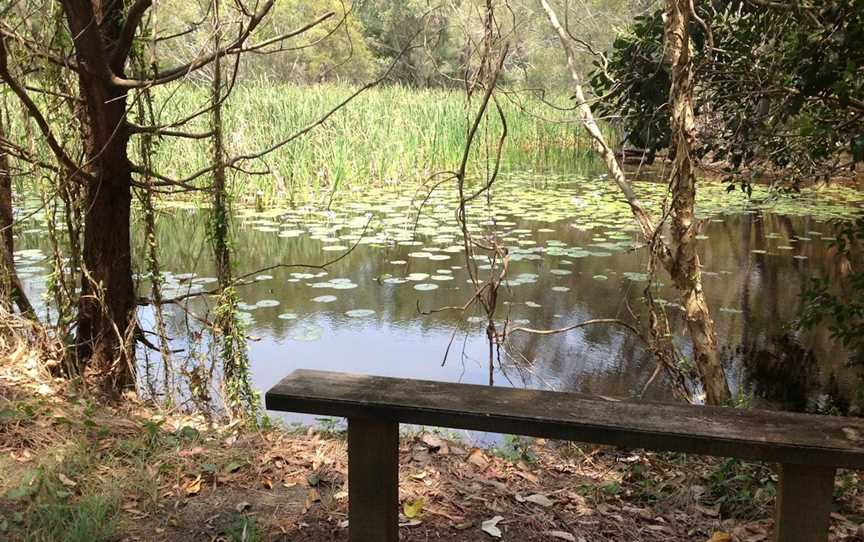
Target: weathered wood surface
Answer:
[[781, 437], [803, 509], [373, 480]]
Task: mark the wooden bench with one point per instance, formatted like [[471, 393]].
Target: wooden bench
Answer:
[[808, 448]]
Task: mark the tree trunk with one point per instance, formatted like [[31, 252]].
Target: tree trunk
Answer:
[[239, 398], [681, 260], [106, 310], [685, 268], [11, 291], [107, 303], [221, 250], [7, 267]]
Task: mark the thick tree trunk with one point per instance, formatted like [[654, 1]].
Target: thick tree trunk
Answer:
[[106, 311], [107, 302], [685, 268], [11, 290]]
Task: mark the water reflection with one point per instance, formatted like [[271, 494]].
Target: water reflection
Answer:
[[755, 264]]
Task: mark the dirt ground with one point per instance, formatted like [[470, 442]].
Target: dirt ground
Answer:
[[74, 470]]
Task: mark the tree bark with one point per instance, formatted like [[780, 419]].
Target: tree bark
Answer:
[[11, 290], [681, 260], [597, 140], [106, 311], [221, 250], [239, 398], [685, 269]]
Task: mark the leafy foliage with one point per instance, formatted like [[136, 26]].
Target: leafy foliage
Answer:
[[780, 87]]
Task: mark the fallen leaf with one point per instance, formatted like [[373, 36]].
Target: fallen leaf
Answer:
[[413, 509], [528, 476], [712, 511], [561, 535], [537, 498], [65, 480], [242, 507], [193, 487], [22, 457], [311, 498], [490, 527], [313, 495], [720, 536], [435, 443], [476, 457], [500, 486]]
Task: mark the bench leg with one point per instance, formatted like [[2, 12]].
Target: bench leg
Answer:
[[373, 480], [804, 499]]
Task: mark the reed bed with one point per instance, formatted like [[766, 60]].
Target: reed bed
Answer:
[[390, 134], [387, 135]]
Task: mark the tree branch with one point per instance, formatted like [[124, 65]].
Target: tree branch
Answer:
[[158, 131], [236, 47], [127, 34], [34, 111]]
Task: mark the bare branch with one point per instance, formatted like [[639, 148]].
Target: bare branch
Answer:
[[236, 47], [593, 322], [34, 111], [157, 131]]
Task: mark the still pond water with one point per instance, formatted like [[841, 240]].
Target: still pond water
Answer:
[[574, 256]]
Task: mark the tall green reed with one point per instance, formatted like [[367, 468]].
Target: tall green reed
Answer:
[[388, 134]]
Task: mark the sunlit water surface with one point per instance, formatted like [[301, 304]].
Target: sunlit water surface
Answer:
[[574, 256]]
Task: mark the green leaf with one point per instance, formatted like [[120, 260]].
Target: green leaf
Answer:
[[413, 509]]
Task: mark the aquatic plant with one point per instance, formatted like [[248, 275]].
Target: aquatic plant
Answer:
[[388, 135]]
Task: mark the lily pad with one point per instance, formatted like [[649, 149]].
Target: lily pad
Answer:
[[307, 332], [425, 287], [343, 285], [359, 313]]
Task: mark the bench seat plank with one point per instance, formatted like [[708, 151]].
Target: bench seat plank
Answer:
[[782, 437]]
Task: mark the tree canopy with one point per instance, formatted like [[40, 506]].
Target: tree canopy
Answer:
[[780, 86]]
